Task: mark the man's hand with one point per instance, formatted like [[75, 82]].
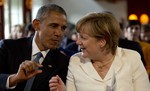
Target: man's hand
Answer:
[[27, 70]]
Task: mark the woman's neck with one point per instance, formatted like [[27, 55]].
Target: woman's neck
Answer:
[[103, 58]]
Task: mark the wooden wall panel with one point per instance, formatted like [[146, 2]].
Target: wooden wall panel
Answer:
[[1, 22]]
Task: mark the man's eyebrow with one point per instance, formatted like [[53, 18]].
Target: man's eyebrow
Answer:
[[53, 24], [56, 24]]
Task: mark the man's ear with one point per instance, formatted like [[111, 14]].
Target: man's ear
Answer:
[[102, 42], [36, 24]]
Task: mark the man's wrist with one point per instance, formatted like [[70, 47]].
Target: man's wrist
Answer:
[[13, 80]]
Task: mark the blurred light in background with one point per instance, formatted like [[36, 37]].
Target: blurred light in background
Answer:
[[144, 19], [133, 17], [1, 2]]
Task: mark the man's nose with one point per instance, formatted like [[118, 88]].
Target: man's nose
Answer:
[[58, 32]]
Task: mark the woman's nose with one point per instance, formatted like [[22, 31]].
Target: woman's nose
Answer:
[[78, 41]]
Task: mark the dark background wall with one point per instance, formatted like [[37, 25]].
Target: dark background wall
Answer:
[[138, 7]]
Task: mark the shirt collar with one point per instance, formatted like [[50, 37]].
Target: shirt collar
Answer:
[[35, 49]]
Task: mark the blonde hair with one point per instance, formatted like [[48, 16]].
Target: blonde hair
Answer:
[[101, 25]]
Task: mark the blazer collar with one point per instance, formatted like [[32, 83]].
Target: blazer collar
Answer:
[[88, 68]]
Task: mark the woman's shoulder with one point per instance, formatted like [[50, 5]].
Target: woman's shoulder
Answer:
[[77, 58], [127, 51], [129, 57]]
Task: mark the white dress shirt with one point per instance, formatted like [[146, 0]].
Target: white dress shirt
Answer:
[[36, 50]]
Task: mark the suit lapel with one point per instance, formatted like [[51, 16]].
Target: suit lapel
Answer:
[[27, 49], [49, 68], [116, 65], [88, 68]]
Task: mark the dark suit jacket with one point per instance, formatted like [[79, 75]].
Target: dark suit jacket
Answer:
[[14, 52]]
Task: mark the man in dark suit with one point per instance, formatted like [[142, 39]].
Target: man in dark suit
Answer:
[[17, 64]]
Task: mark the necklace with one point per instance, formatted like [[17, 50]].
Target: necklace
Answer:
[[102, 66]]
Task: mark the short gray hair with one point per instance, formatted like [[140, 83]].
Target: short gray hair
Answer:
[[42, 12]]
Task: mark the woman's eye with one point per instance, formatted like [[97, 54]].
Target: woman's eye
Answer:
[[82, 37]]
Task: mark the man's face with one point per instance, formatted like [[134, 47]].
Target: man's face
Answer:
[[50, 31], [133, 32], [145, 36]]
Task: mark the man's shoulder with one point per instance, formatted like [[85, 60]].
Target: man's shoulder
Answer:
[[125, 41], [15, 42], [144, 43], [58, 54]]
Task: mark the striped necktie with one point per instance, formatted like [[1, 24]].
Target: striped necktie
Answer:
[[31, 80]]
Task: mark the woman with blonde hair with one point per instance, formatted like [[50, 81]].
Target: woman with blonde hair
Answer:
[[102, 65]]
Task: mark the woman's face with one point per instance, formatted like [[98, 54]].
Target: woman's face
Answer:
[[89, 45]]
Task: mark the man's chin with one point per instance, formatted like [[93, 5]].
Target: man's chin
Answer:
[[53, 47]]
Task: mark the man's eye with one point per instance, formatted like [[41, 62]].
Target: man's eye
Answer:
[[131, 28], [137, 28], [63, 28], [53, 26]]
